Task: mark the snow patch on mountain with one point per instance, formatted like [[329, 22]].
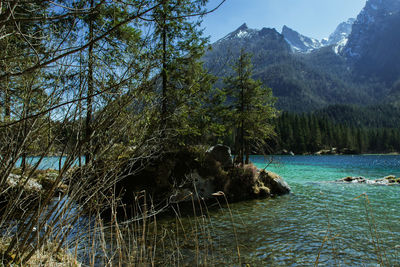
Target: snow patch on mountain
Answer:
[[298, 42], [338, 39], [371, 20], [243, 32]]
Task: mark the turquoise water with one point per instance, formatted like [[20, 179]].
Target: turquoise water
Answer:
[[359, 223], [329, 223], [48, 162]]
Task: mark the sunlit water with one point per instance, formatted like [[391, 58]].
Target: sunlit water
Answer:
[[320, 221], [53, 162]]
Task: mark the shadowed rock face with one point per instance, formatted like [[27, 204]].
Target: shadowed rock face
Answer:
[[372, 47], [189, 174], [388, 180], [221, 154], [298, 42]]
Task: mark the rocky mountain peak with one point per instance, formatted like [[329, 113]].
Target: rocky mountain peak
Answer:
[[373, 19], [269, 32], [243, 32], [243, 27], [342, 31], [298, 42], [286, 29], [338, 39]]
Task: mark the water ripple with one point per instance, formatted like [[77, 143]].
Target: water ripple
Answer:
[[330, 221]]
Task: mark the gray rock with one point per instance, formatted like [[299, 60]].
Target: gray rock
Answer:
[[389, 177], [274, 182], [388, 180], [221, 154], [350, 179], [14, 180], [196, 188]]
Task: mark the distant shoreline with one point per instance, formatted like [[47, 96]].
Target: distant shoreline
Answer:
[[383, 154], [53, 154], [361, 154]]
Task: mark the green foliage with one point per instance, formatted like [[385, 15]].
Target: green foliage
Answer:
[[306, 82], [251, 107], [335, 127], [183, 84]]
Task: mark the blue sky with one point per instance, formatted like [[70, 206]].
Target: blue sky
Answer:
[[313, 18]]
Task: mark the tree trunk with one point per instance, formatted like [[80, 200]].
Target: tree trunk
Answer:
[[80, 111], [7, 102], [164, 77], [247, 152], [90, 91], [242, 114], [25, 132]]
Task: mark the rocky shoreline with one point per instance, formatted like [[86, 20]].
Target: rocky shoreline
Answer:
[[174, 178], [387, 180], [31, 188], [186, 175], [333, 151]]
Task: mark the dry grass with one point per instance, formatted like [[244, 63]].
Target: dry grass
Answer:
[[46, 256], [111, 241]]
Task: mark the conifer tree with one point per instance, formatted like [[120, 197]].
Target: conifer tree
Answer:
[[179, 47], [252, 108], [106, 60]]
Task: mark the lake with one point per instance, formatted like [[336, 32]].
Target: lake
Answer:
[[332, 223], [320, 221], [53, 162]]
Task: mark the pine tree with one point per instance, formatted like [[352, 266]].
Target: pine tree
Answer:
[[21, 95], [251, 106], [179, 46], [105, 60]]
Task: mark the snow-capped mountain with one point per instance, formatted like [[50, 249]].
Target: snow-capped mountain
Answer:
[[253, 41], [338, 39], [300, 82], [298, 42], [243, 32], [358, 64], [266, 45], [303, 44]]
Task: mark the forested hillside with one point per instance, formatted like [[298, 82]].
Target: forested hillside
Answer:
[[348, 129], [301, 82], [358, 66]]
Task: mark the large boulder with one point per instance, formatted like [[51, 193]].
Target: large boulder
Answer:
[[196, 188], [221, 154], [274, 182]]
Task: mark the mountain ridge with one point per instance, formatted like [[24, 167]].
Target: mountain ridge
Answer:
[[307, 74]]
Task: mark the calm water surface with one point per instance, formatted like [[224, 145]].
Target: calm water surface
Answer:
[[329, 221]]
